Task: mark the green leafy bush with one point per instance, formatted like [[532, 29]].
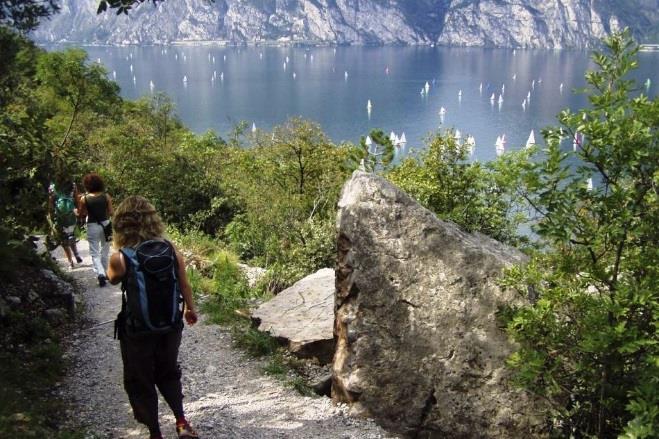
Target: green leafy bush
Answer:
[[478, 197], [588, 343]]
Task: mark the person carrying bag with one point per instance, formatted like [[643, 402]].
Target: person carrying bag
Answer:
[[96, 206]]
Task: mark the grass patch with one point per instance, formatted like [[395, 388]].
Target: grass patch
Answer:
[[252, 341], [30, 365], [226, 292]]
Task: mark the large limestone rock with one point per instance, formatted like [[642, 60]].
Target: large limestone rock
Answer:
[[302, 316], [418, 346]]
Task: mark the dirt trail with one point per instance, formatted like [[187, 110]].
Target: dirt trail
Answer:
[[226, 396]]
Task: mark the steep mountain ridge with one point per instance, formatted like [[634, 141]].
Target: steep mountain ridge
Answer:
[[488, 23]]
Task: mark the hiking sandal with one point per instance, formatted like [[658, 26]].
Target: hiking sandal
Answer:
[[186, 431]]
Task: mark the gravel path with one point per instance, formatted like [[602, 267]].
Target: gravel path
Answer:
[[226, 396]]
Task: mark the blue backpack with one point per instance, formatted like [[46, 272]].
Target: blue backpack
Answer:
[[151, 299]]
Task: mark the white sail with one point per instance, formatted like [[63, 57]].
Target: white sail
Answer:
[[368, 141], [185, 78], [392, 137], [500, 145], [253, 127], [480, 88], [427, 87], [459, 93], [403, 139], [589, 184], [458, 135], [531, 140], [500, 99], [369, 105], [442, 111]]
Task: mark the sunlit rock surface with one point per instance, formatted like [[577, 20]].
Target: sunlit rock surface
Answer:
[[418, 344], [525, 23]]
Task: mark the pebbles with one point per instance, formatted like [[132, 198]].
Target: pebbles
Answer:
[[226, 396]]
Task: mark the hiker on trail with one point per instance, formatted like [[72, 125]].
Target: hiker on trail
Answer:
[[154, 284], [96, 206], [62, 216]]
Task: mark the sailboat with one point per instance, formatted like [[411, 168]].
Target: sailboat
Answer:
[[493, 97], [500, 99], [501, 145], [480, 88], [457, 136], [403, 139], [253, 127], [442, 111], [531, 140], [471, 144], [393, 137], [369, 106], [427, 87], [589, 184]]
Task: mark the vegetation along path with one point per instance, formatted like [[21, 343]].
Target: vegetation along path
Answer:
[[226, 395]]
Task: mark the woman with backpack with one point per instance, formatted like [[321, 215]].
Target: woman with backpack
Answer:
[[154, 285], [96, 206], [62, 216]]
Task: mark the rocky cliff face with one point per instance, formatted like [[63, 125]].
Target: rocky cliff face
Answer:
[[523, 23]]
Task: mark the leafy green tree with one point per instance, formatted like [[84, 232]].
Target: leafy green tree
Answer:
[[286, 186], [479, 198], [78, 98], [24, 168], [24, 15], [375, 157], [588, 343]]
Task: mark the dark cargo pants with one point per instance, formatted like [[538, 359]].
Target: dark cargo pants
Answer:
[[149, 362]]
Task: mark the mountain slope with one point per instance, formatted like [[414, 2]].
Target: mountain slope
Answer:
[[500, 23]]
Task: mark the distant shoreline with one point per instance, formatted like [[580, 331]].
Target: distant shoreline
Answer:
[[294, 44]]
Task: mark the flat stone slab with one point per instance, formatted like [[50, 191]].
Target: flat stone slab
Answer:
[[302, 316]]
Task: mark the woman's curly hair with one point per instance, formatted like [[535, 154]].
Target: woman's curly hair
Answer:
[[93, 182], [135, 220]]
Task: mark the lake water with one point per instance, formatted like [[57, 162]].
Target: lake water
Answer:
[[266, 85]]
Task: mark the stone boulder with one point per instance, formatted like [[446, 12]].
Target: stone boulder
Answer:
[[302, 316], [418, 346]]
